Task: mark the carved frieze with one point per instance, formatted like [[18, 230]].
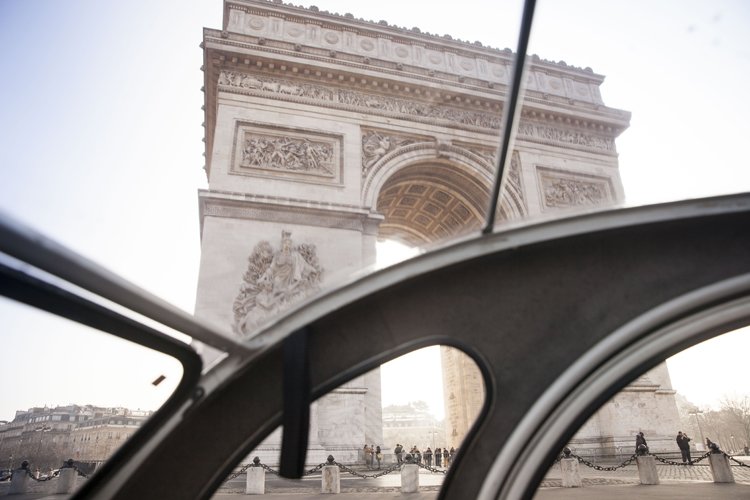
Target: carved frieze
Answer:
[[357, 100], [407, 108], [563, 190], [274, 280], [555, 135], [292, 153]]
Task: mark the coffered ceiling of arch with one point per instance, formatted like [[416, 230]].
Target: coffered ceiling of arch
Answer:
[[420, 208]]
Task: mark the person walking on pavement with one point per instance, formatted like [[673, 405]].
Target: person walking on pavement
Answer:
[[368, 457], [446, 457], [428, 457], [399, 450], [438, 456], [683, 442], [378, 455]]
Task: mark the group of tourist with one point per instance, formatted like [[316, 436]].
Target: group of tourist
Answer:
[[683, 443], [373, 454], [443, 457]]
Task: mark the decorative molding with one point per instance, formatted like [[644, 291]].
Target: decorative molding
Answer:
[[293, 154], [377, 143], [561, 189], [274, 280], [353, 100], [281, 212], [547, 134]]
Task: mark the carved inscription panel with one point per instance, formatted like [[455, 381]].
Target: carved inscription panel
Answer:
[[566, 189], [294, 154]]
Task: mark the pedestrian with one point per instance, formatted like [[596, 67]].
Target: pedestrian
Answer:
[[640, 439], [452, 453], [418, 455], [438, 457], [368, 457], [428, 457], [378, 455], [683, 442], [399, 451], [446, 457]]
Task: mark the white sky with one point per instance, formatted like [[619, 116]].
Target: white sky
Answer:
[[101, 128]]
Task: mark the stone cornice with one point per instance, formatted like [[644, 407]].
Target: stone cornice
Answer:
[[275, 21], [213, 203], [383, 29]]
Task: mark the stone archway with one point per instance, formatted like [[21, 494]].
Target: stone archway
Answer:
[[427, 202]]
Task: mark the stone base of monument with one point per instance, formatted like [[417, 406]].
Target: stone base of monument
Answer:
[[647, 470], [571, 477], [330, 481], [720, 468], [255, 483], [410, 478], [66, 482]]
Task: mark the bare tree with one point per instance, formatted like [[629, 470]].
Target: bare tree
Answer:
[[737, 411]]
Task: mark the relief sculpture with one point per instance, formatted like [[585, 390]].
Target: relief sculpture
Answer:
[[275, 279], [288, 154], [375, 145], [562, 192]]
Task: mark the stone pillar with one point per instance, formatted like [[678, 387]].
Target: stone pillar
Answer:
[[720, 468], [66, 481], [255, 481], [410, 478], [330, 481], [647, 469], [571, 478], [19, 483]]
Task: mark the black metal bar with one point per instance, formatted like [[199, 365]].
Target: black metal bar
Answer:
[[296, 418], [510, 112], [29, 246]]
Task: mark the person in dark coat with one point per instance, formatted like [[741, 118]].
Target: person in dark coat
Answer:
[[428, 456], [446, 457], [438, 457], [683, 442], [640, 439]]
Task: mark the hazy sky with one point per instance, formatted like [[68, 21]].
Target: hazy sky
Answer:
[[101, 126]]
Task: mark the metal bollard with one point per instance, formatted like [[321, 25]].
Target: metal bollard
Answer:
[[19, 483], [330, 481], [571, 478], [255, 480], [409, 475]]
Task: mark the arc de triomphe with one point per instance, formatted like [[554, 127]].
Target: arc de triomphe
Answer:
[[325, 133]]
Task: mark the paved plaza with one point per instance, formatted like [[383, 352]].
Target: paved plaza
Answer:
[[677, 482]]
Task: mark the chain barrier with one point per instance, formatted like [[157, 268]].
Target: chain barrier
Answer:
[[41, 480], [432, 469], [6, 478], [599, 467], [366, 476], [671, 462], [741, 464], [237, 474]]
